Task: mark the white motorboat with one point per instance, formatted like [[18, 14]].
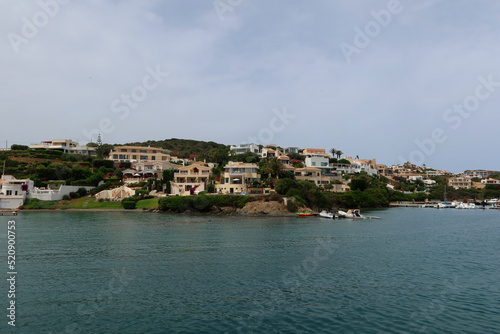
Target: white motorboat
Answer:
[[462, 205], [492, 201], [354, 214], [326, 214]]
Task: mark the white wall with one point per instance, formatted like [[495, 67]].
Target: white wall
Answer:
[[54, 195]]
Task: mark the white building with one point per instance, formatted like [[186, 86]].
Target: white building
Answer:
[[291, 149], [354, 168], [54, 193], [317, 162], [65, 145], [429, 182], [13, 192], [243, 148], [477, 173], [490, 181]]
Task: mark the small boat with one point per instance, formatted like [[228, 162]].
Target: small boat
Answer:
[[351, 214], [343, 214], [13, 213], [354, 214], [492, 201], [462, 205], [326, 214], [304, 214]]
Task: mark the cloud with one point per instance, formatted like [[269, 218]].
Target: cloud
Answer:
[[227, 76]]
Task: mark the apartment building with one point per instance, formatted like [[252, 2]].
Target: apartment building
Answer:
[[238, 177], [138, 153], [190, 180], [460, 182]]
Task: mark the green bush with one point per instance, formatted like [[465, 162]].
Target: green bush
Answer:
[[97, 163], [202, 203], [36, 204], [129, 205], [66, 198], [74, 195], [82, 192], [19, 147]]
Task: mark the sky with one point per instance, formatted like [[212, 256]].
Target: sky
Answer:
[[415, 80]]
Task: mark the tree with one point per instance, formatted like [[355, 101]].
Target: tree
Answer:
[[273, 167], [333, 151], [339, 154], [19, 147]]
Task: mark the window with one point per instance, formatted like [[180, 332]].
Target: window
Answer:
[[153, 158], [134, 157], [9, 192], [142, 151], [134, 150], [123, 150], [143, 157], [154, 151], [115, 156]]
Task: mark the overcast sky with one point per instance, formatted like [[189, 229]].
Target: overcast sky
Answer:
[[377, 79]]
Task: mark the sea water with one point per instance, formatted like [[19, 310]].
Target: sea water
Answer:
[[412, 271]]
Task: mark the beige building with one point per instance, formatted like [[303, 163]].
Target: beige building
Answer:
[[138, 153], [190, 180], [316, 176], [315, 152], [237, 178], [157, 166], [460, 182]]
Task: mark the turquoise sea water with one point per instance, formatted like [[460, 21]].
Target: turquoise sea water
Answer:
[[413, 271]]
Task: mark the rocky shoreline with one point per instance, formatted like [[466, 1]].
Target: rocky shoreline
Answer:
[[256, 208]]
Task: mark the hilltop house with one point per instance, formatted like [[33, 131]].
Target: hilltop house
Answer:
[[138, 153], [490, 181], [460, 182], [315, 152], [238, 177], [65, 145], [243, 148], [291, 149], [322, 162]]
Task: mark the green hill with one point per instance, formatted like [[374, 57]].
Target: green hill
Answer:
[[183, 148]]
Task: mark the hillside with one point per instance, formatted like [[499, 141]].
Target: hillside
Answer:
[[184, 147]]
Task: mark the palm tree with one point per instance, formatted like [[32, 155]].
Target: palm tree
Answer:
[[273, 167], [333, 152], [339, 153]]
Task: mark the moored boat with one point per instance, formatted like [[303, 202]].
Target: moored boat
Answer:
[[304, 214], [326, 214]]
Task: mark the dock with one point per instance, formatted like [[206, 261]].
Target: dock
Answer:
[[406, 204]]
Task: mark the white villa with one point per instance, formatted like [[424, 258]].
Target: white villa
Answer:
[[243, 148], [13, 192], [65, 145]]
